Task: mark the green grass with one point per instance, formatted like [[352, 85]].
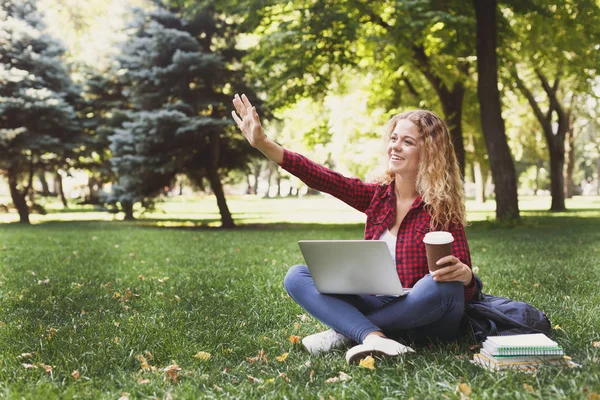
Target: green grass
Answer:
[[221, 291]]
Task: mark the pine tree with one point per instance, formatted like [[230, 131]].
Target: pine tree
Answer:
[[38, 126], [179, 123]]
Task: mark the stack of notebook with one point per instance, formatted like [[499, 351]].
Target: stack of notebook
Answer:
[[519, 352]]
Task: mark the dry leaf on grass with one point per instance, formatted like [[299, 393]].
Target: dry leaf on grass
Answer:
[[23, 356], [46, 367], [596, 344], [340, 378], [75, 374], [255, 380], [311, 377], [143, 381], [557, 327], [262, 356], [294, 339], [464, 390], [143, 362], [28, 366], [368, 362], [282, 357], [202, 355], [172, 372], [528, 388], [284, 376]]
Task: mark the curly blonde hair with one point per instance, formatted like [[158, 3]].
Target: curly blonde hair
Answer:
[[439, 181]]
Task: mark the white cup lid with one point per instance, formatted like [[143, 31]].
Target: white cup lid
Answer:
[[439, 237]]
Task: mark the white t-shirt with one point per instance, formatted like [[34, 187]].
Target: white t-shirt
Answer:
[[390, 240]]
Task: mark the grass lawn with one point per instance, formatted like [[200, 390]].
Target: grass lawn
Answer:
[[121, 302]]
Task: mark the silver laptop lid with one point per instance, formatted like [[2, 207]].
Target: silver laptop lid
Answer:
[[351, 266]]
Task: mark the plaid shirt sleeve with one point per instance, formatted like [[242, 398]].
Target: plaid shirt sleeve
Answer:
[[351, 191], [460, 249]]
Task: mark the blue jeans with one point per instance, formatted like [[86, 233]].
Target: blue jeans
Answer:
[[431, 310]]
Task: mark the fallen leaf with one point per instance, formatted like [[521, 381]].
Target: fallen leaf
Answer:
[[528, 388], [557, 327], [75, 374], [202, 355], [255, 380], [596, 344], [143, 362], [83, 312], [116, 295], [282, 357], [172, 372], [593, 396], [464, 389], [344, 377], [29, 366], [163, 279], [294, 339], [141, 277], [340, 378], [284, 376], [270, 380], [23, 356], [368, 362], [537, 284], [311, 377], [262, 356], [149, 355], [143, 381], [51, 333], [46, 367], [124, 396], [303, 317], [296, 325]]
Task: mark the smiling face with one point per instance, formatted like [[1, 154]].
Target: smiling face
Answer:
[[403, 148]]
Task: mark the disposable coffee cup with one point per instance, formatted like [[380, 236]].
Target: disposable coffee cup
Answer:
[[438, 245]]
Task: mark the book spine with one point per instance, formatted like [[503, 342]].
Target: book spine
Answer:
[[529, 351]]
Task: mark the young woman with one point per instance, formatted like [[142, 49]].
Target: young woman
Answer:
[[420, 191]]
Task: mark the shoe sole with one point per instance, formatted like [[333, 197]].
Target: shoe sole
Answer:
[[355, 358]]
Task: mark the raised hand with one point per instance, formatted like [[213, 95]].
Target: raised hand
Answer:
[[248, 120]]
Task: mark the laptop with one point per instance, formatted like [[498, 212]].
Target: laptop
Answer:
[[351, 267]]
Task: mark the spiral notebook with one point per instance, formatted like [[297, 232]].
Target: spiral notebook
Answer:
[[535, 344]]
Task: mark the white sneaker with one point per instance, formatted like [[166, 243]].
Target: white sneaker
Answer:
[[325, 341], [374, 345]]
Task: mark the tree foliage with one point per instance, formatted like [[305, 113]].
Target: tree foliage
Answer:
[[40, 129]]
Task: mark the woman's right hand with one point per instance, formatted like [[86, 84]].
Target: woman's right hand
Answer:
[[248, 120]]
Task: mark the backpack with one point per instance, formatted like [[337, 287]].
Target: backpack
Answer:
[[489, 315]]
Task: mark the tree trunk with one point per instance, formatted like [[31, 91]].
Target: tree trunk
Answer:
[[215, 182], [501, 162], [128, 210], [480, 180], [569, 163], [452, 104], [18, 197], [557, 185], [92, 190], [256, 172], [536, 184], [58, 185], [217, 188], [44, 182]]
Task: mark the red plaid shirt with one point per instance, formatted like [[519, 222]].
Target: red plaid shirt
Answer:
[[378, 202]]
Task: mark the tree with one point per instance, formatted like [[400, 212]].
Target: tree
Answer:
[[39, 125], [492, 123], [555, 69], [176, 72], [306, 46]]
